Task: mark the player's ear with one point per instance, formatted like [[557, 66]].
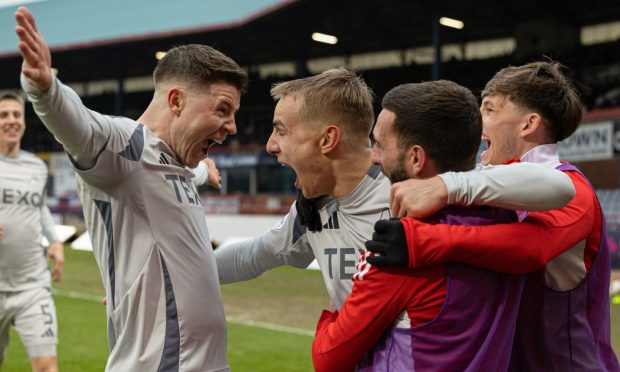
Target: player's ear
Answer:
[[176, 100], [532, 125], [330, 137], [416, 160]]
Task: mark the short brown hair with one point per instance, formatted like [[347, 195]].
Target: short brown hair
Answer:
[[442, 117], [336, 94], [541, 86], [199, 64], [13, 96]]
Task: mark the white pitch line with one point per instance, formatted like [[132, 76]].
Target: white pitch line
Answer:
[[271, 326], [78, 295], [231, 319]]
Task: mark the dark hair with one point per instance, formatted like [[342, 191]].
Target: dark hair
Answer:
[[335, 95], [442, 117], [199, 64], [541, 87]]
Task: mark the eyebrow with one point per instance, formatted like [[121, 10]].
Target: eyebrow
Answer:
[[228, 104], [278, 124], [487, 104]]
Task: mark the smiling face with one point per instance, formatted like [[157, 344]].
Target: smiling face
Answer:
[[205, 117], [12, 124], [386, 151], [296, 144], [501, 124]]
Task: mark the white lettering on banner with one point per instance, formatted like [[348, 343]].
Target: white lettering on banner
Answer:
[[589, 142], [616, 140]]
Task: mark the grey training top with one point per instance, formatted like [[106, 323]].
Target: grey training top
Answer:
[[23, 264], [150, 239]]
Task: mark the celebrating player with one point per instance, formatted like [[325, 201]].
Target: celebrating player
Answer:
[[564, 321], [143, 213]]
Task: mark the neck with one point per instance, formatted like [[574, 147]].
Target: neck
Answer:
[[156, 120], [530, 141], [349, 170], [10, 149]]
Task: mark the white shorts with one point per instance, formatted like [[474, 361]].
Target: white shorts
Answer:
[[33, 315]]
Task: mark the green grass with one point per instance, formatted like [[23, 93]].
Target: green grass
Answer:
[[82, 322], [285, 296], [82, 344]]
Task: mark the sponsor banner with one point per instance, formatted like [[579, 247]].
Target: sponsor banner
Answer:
[[594, 141]]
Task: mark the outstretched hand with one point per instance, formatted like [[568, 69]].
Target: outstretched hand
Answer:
[[418, 197], [35, 52], [215, 179], [389, 243]]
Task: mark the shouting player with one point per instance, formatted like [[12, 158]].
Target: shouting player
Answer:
[[142, 211], [564, 320]]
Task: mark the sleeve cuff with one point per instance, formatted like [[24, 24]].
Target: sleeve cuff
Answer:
[[33, 93], [452, 185]]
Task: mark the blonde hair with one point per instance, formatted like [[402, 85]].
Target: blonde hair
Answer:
[[338, 96]]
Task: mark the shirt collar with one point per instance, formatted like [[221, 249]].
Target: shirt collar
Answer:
[[543, 154]]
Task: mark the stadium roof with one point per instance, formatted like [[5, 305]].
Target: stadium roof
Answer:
[[109, 39], [72, 24]]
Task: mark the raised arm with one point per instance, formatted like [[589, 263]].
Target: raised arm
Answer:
[[504, 186], [283, 244], [82, 132]]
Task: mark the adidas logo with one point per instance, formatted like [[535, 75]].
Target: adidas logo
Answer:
[[48, 333], [163, 159], [332, 223]]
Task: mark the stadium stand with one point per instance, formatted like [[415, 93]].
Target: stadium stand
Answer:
[[389, 42]]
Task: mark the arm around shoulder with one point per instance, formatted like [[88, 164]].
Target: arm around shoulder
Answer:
[[517, 186]]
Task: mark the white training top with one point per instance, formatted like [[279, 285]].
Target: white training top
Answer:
[[150, 239], [349, 222], [23, 264]]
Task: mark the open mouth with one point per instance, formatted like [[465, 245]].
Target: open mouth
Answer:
[[206, 146], [291, 168], [486, 140]]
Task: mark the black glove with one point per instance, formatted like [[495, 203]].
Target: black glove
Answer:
[[389, 243], [308, 213]]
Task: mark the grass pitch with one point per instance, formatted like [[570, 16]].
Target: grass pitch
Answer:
[[271, 320]]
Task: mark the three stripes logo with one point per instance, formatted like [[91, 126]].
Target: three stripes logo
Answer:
[[332, 223], [48, 333], [163, 159]]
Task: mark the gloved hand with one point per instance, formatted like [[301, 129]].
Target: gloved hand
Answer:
[[308, 213], [389, 244]]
